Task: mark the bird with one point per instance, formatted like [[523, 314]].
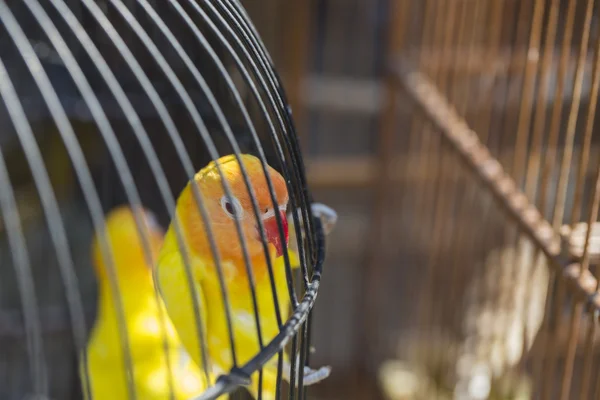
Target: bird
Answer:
[[151, 335], [223, 211]]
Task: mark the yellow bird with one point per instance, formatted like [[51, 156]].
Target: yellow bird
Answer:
[[222, 213], [146, 322]]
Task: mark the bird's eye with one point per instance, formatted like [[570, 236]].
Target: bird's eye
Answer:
[[232, 207]]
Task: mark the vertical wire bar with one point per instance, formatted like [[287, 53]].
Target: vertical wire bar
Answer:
[[587, 136], [470, 200], [521, 38], [578, 305], [76, 155], [485, 125], [496, 14], [553, 136], [522, 139], [20, 257], [448, 185], [554, 311], [531, 187], [573, 338], [462, 107], [427, 148], [526, 172], [292, 382], [509, 262], [562, 194], [448, 34], [560, 203], [537, 153], [527, 96], [309, 322], [303, 350], [444, 180], [456, 173], [597, 391], [588, 130], [589, 350], [534, 162]]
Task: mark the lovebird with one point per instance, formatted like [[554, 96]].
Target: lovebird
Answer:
[[149, 329], [222, 212]]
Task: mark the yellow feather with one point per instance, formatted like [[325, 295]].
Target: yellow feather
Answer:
[[174, 286], [173, 282], [146, 322]]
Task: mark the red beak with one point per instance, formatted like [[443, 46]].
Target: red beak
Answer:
[[272, 232]]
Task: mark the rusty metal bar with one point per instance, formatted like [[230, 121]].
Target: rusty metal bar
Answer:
[[533, 166], [469, 197], [561, 200], [510, 262], [592, 319], [532, 174], [491, 174], [443, 199], [420, 144]]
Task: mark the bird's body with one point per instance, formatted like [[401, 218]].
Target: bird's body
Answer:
[[155, 373], [244, 320], [222, 212]]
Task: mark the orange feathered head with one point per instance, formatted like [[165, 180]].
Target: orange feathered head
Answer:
[[223, 211], [125, 241]]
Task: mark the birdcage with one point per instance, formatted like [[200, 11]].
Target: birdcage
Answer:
[[112, 103], [504, 141]]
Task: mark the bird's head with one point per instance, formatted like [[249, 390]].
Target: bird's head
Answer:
[[126, 244], [224, 211]]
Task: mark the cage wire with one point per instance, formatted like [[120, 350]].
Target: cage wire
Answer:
[[506, 143], [112, 103]]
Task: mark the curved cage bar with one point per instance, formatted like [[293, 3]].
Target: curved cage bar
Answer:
[[116, 108]]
